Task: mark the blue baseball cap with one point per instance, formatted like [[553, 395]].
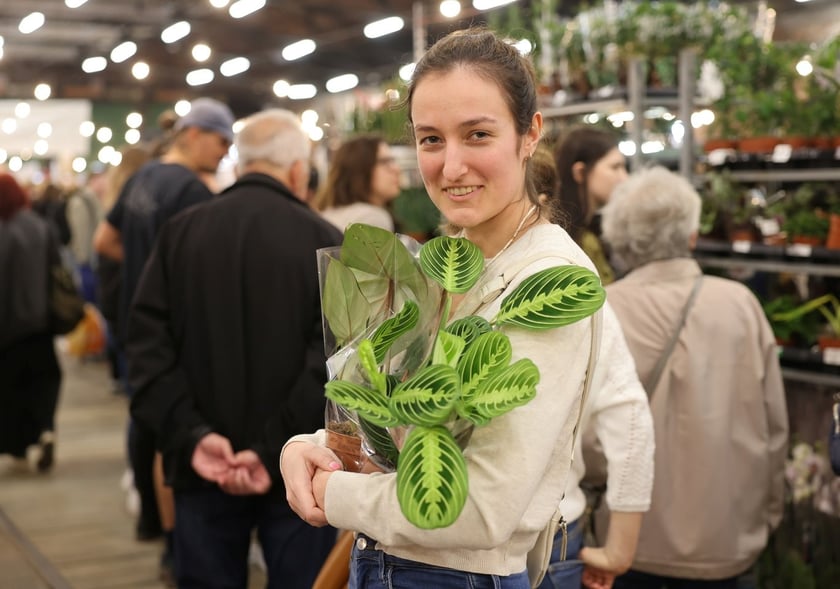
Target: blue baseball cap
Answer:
[[210, 115]]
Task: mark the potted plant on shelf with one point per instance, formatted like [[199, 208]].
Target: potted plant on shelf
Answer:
[[409, 383], [829, 307], [800, 331]]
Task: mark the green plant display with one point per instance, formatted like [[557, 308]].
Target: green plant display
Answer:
[[801, 330], [828, 306], [415, 383]]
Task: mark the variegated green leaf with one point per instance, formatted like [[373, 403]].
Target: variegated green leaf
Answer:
[[432, 482], [489, 352], [428, 397], [453, 262], [392, 328], [369, 404], [552, 298], [504, 390], [367, 360], [381, 442], [345, 307], [469, 328], [448, 348]]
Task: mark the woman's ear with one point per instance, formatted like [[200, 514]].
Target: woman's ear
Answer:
[[533, 135], [579, 172]]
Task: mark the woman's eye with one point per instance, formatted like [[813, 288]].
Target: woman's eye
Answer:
[[479, 134], [429, 140]]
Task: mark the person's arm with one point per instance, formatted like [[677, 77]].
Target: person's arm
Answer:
[[161, 399], [616, 556], [621, 418], [107, 241]]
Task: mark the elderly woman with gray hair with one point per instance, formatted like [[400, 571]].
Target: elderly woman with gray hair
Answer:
[[707, 357]]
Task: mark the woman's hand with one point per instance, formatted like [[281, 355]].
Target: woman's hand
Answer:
[[299, 464], [597, 579]]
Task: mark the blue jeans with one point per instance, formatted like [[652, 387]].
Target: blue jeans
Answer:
[[373, 569], [213, 535], [565, 574], [637, 580]]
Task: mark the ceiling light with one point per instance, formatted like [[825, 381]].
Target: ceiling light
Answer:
[[201, 52], [94, 64], [302, 91], [15, 163], [200, 77], [134, 120], [242, 8], [41, 147], [104, 134], [450, 8], [316, 133], [804, 67], [42, 91], [488, 4], [22, 110], [234, 66], [86, 129], [219, 3], [116, 158], [298, 49], [132, 136], [383, 27], [175, 32], [342, 83], [308, 118], [44, 130], [74, 3], [523, 46], [31, 22], [407, 71], [281, 88], [79, 165], [9, 126], [123, 51], [182, 107], [140, 70], [105, 154]]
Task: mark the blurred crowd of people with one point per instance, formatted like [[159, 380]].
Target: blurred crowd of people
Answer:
[[211, 306]]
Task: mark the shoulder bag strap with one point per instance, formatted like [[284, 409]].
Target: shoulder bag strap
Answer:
[[653, 379]]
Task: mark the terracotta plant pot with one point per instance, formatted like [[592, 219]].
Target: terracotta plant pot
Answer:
[[764, 144], [828, 341], [713, 144], [348, 448], [833, 239], [796, 141], [807, 240]]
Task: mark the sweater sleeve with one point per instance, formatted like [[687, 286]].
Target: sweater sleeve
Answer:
[[622, 422]]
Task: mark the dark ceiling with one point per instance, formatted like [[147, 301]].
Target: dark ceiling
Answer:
[[54, 53]]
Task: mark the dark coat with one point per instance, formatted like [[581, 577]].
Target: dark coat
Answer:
[[225, 330]]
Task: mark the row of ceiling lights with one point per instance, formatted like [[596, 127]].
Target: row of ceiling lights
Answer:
[[201, 52], [108, 154]]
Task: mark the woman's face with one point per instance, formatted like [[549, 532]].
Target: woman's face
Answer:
[[607, 173], [470, 156], [385, 180]]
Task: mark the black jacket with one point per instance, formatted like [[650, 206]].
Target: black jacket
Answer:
[[224, 333]]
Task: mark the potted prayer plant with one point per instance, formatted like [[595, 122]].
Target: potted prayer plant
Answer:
[[410, 384]]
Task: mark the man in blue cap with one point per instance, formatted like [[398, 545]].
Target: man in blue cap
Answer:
[[155, 193]]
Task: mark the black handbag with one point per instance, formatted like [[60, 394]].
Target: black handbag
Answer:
[[66, 306], [834, 436]]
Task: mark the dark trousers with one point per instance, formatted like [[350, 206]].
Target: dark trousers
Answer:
[[141, 456], [637, 580], [30, 379], [213, 535]]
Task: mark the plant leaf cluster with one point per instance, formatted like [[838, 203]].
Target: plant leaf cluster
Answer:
[[413, 370]]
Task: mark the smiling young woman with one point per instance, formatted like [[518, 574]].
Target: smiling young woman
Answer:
[[472, 105]]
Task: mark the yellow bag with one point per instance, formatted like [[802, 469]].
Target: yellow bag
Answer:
[[88, 338]]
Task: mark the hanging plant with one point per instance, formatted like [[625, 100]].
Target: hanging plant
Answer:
[[413, 383]]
